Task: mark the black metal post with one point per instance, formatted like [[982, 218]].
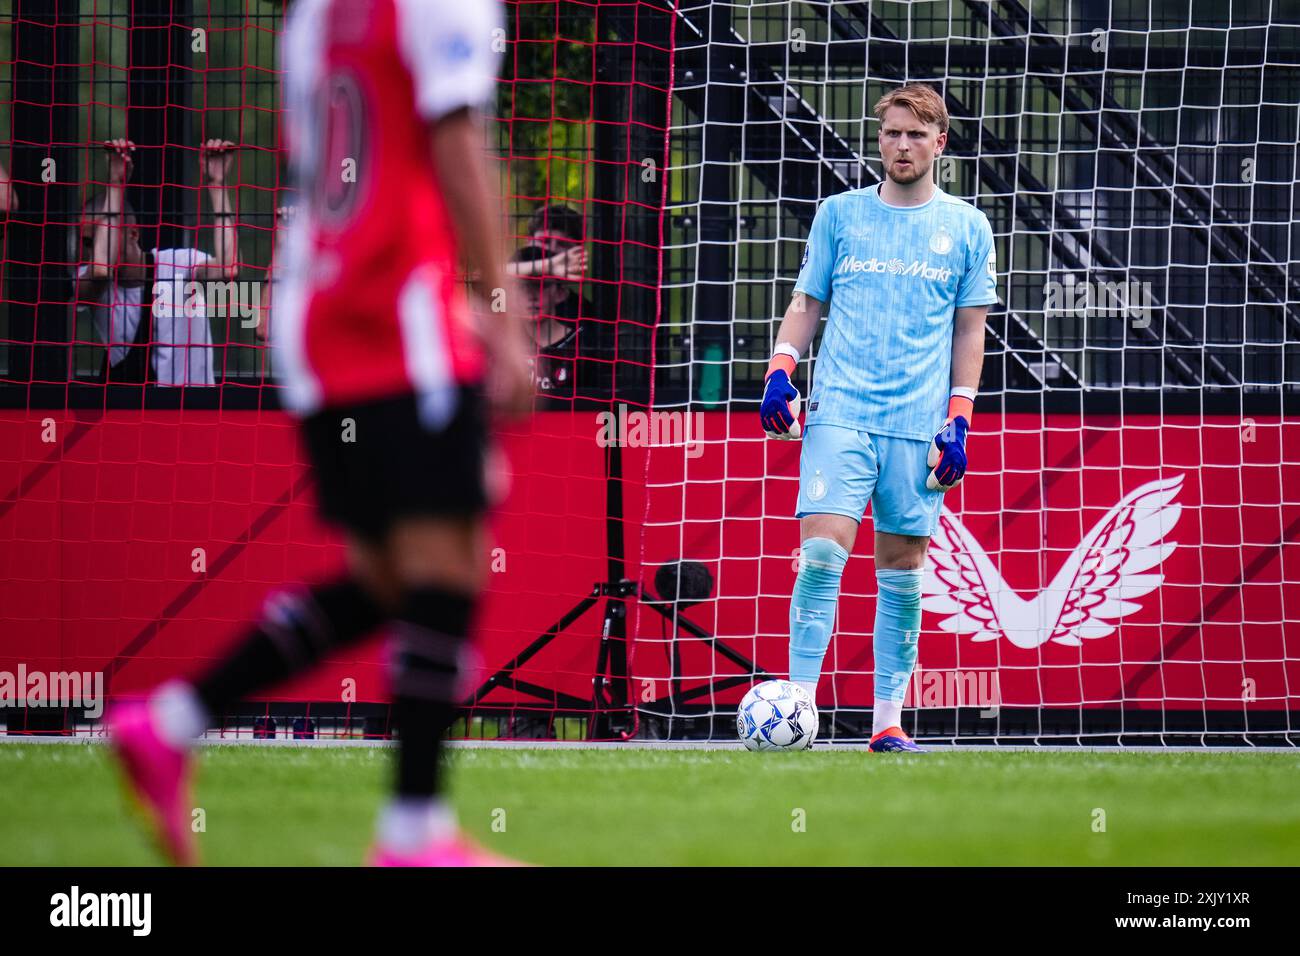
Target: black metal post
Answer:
[[45, 181], [158, 121]]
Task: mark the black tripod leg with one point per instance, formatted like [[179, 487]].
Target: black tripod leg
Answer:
[[506, 673]]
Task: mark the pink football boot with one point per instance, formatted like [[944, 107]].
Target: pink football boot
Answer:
[[159, 778], [457, 851]]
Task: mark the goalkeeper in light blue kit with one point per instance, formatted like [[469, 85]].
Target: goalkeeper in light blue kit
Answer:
[[909, 274]]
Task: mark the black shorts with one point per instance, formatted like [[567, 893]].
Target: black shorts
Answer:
[[394, 466]]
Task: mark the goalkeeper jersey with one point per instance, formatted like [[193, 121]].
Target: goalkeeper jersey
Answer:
[[894, 276]]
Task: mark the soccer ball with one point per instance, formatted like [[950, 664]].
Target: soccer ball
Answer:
[[777, 715]]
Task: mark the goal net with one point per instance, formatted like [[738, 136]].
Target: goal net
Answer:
[[1120, 561], [145, 516]]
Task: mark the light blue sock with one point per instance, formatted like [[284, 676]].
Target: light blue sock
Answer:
[[812, 607], [898, 627]]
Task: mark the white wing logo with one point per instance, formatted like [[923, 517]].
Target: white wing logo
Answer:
[[1092, 591]]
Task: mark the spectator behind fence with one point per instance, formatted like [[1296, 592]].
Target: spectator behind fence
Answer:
[[284, 216], [573, 359], [565, 257], [150, 308]]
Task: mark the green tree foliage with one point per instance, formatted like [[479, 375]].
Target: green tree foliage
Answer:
[[543, 123]]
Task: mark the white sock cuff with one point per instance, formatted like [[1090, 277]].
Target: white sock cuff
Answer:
[[407, 825], [885, 714], [810, 686], [177, 713]]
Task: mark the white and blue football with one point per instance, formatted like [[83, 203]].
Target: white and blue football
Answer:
[[777, 715]]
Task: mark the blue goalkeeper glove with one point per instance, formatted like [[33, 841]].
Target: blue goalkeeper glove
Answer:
[[780, 408], [947, 457]]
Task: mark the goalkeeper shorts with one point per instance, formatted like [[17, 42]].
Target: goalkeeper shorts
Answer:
[[377, 462], [842, 469]]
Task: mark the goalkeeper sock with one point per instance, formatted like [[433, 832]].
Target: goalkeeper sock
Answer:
[[297, 628], [430, 633], [898, 628], [886, 714], [812, 609], [809, 686]]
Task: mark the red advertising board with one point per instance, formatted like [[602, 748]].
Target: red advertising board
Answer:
[[1098, 562]]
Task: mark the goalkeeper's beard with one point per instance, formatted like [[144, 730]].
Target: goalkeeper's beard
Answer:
[[911, 174]]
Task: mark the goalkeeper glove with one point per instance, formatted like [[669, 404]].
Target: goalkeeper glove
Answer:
[[780, 409], [947, 458]]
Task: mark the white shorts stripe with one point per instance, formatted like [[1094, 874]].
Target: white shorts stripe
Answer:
[[424, 347]]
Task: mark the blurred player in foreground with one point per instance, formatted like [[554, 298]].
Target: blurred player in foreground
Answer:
[[909, 273], [380, 360]]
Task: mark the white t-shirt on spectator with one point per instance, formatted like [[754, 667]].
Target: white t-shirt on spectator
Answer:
[[181, 335], [115, 317]]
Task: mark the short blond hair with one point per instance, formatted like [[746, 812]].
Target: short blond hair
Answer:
[[925, 104]]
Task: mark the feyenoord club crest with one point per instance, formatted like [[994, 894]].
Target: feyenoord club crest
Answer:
[[816, 487], [941, 242]]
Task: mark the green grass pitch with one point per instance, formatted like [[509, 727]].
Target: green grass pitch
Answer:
[[308, 806]]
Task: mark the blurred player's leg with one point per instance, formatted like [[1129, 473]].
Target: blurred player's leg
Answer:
[[153, 736], [297, 628], [434, 567], [437, 567]]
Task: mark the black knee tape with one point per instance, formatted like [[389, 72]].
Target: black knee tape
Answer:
[[429, 638]]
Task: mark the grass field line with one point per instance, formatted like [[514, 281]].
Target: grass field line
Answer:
[[660, 745]]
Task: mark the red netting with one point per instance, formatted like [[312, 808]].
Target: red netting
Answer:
[[152, 489]]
